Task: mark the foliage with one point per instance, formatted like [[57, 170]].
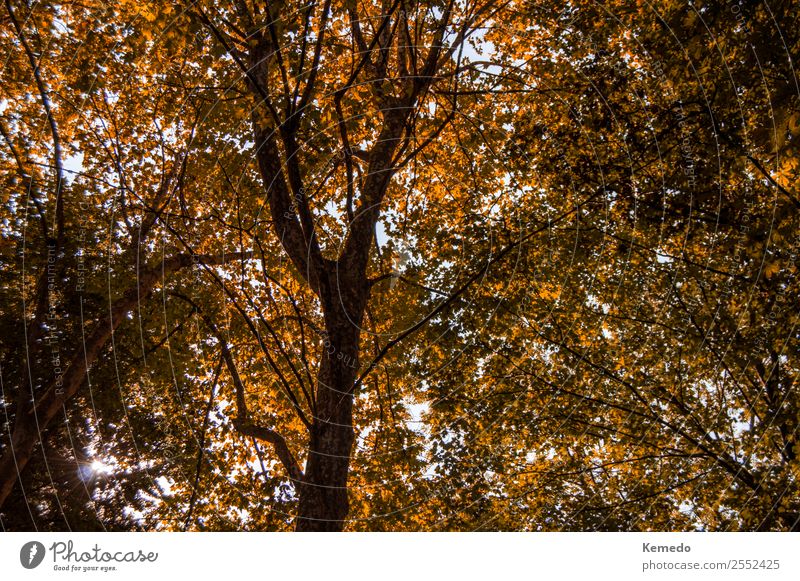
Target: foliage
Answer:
[[547, 251]]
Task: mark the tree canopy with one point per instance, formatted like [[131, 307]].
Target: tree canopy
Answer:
[[397, 265]]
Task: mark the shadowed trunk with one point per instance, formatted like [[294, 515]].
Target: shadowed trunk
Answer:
[[16, 458]]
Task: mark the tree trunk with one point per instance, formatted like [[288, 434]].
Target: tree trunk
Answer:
[[17, 456], [50, 400], [323, 498], [323, 495]]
